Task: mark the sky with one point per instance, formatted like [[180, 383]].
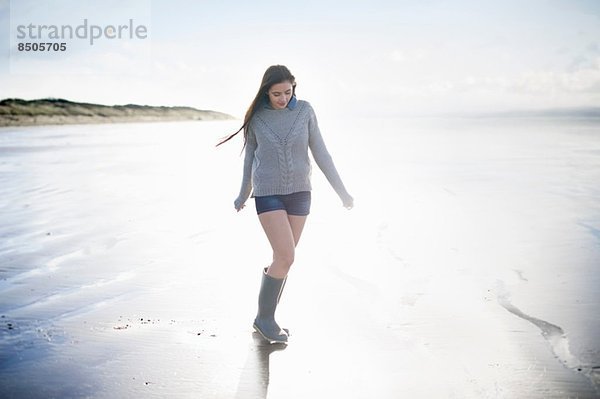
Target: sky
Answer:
[[359, 58]]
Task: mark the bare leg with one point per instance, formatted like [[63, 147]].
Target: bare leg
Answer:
[[283, 232], [297, 225]]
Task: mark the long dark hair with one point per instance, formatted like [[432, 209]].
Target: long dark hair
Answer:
[[273, 75]]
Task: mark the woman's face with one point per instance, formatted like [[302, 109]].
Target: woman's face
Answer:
[[280, 94]]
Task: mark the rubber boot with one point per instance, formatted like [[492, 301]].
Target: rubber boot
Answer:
[[265, 323], [282, 287], [279, 298], [265, 270]]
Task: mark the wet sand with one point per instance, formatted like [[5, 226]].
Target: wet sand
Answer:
[[468, 268]]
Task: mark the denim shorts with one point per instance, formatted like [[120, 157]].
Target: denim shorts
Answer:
[[297, 204]]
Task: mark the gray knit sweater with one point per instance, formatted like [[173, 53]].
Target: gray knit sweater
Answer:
[[276, 160]]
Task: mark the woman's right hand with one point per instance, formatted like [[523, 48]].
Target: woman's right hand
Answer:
[[238, 204]]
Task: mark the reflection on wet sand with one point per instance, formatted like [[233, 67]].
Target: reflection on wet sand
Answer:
[[254, 381]]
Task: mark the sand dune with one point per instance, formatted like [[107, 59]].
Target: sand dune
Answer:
[[17, 112]]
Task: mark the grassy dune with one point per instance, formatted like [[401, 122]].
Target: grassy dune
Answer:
[[56, 111]]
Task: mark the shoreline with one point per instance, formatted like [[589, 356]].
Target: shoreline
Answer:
[[81, 120]]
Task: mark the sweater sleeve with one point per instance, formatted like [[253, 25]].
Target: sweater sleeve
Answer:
[[246, 187], [322, 156]]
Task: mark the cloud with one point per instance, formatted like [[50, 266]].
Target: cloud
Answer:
[[401, 56], [583, 76], [583, 81]]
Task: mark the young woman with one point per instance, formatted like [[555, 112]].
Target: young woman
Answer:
[[278, 131]]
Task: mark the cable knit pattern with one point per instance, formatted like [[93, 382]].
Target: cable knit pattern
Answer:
[[276, 160]]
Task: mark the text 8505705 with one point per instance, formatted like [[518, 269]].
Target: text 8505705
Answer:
[[42, 46]]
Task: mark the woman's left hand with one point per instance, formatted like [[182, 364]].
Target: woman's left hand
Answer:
[[348, 202]]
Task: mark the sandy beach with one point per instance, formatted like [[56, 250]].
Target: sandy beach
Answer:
[[468, 268]]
